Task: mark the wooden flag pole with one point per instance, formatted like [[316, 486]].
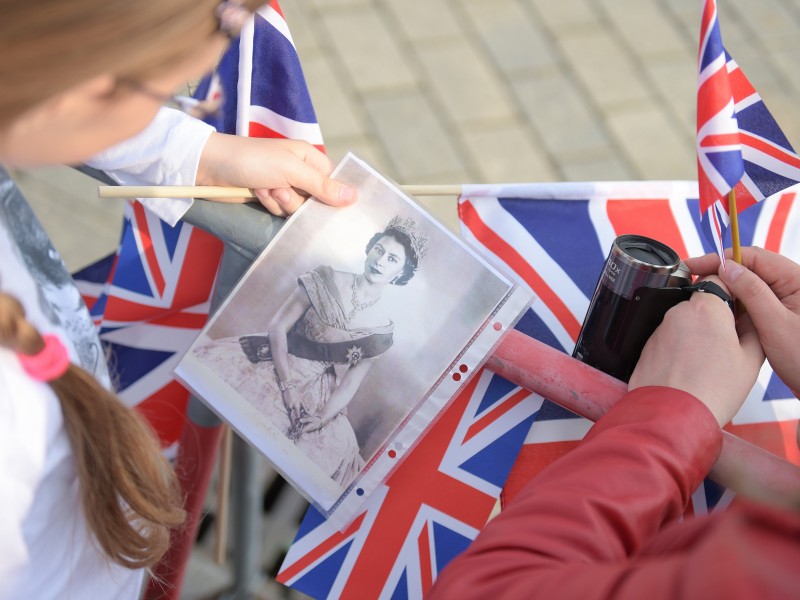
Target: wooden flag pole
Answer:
[[734, 216], [210, 192], [738, 307], [432, 190], [172, 191], [223, 496]]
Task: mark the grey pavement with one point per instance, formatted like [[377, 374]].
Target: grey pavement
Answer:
[[472, 91]]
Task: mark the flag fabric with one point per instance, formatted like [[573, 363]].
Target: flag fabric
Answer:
[[557, 237], [148, 306], [719, 155], [429, 509], [739, 144], [151, 298], [262, 84], [770, 163]]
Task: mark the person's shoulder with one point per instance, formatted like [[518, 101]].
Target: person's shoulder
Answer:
[[342, 279], [325, 277], [324, 271], [317, 273]]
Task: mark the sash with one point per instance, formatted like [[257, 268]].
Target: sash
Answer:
[[257, 349]]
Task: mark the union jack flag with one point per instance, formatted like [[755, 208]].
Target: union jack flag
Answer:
[[739, 145], [151, 298], [557, 237], [429, 509], [262, 84]]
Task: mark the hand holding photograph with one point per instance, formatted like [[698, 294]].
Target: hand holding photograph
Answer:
[[347, 337]]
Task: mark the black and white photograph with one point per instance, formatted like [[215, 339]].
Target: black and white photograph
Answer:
[[344, 326]]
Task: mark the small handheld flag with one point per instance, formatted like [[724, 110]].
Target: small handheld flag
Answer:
[[743, 157]]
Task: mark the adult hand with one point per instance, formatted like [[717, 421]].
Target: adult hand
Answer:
[[696, 349], [768, 285], [282, 173]]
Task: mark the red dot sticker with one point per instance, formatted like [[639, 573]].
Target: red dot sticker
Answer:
[[392, 453], [497, 326], [456, 376], [463, 368]]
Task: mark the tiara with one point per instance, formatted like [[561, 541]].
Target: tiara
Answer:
[[408, 227]]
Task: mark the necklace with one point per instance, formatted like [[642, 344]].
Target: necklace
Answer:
[[358, 305]]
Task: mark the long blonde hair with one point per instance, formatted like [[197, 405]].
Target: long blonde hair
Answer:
[[129, 492], [49, 46]]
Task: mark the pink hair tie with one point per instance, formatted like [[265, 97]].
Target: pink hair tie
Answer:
[[50, 363]]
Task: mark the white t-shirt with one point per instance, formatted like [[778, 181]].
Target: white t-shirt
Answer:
[[46, 548]]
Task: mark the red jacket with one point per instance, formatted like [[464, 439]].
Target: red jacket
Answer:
[[604, 521]]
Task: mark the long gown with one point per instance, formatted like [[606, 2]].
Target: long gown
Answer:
[[318, 340]]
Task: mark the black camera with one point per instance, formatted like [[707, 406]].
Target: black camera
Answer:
[[641, 279]]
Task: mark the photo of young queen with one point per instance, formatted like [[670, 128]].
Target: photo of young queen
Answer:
[[332, 319], [347, 337]]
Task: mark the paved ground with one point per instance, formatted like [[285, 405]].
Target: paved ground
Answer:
[[470, 91]]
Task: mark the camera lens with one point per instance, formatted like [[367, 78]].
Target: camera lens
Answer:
[[646, 251], [634, 262]]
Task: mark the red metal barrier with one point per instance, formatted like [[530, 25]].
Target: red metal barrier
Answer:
[[742, 466], [196, 459]]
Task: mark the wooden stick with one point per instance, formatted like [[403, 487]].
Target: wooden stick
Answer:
[[172, 191], [734, 216], [223, 497], [432, 190], [207, 191], [738, 307]]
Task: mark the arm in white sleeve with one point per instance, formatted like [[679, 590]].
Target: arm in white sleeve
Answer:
[[166, 152]]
